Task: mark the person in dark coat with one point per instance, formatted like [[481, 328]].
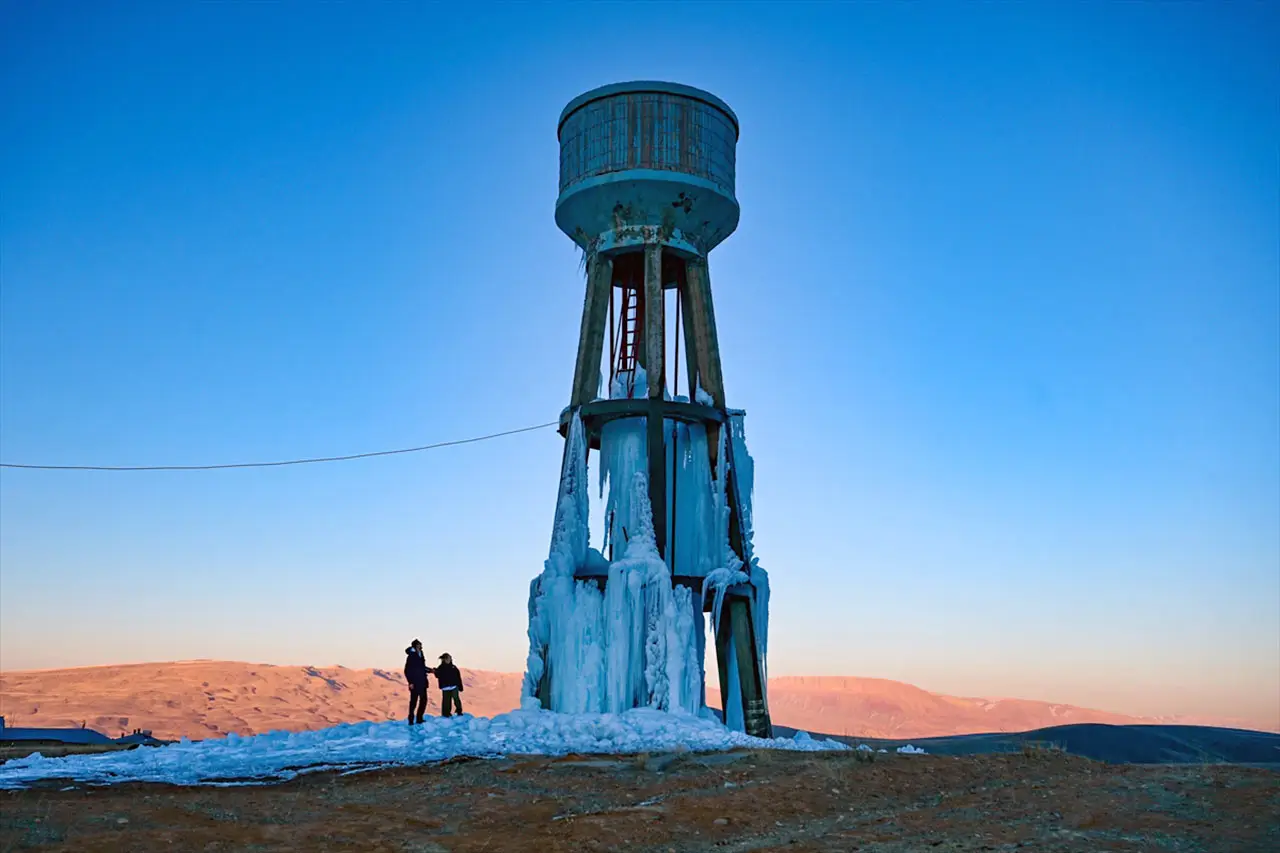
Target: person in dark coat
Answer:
[[450, 681], [415, 672]]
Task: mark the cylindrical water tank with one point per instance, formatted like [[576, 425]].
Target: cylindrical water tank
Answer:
[[647, 161]]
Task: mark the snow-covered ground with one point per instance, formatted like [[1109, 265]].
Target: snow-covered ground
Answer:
[[277, 756]]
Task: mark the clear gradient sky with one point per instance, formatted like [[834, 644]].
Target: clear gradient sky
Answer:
[[1004, 311]]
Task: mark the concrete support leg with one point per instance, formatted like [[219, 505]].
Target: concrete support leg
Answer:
[[734, 495], [655, 367], [722, 633], [702, 344], [735, 635], [700, 332], [755, 711], [655, 347], [595, 316], [544, 683]]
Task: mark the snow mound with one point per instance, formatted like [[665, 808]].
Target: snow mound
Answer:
[[278, 756], [910, 750]]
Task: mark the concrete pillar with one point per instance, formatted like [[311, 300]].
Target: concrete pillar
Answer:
[[654, 320], [722, 632], [595, 316], [735, 635], [755, 712], [700, 332], [655, 367], [703, 344]]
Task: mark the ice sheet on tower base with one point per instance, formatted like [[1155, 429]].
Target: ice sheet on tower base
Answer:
[[637, 643], [278, 756], [640, 641]]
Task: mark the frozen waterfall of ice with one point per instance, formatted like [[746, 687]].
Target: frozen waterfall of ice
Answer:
[[692, 518], [640, 641], [637, 643], [629, 384], [744, 468]]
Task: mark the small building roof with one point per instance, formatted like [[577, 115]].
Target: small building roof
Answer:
[[143, 738], [8, 733]]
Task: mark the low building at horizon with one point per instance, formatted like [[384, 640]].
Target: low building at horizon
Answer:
[[83, 736]]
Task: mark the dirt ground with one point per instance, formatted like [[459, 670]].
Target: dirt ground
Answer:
[[739, 801], [22, 749]]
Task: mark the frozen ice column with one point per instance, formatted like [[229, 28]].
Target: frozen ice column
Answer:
[[646, 192]]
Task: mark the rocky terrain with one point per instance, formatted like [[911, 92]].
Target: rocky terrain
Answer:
[[1038, 799], [199, 699]]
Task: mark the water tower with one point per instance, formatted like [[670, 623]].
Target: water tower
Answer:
[[646, 192]]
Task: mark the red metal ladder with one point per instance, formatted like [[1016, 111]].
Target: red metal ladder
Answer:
[[629, 335]]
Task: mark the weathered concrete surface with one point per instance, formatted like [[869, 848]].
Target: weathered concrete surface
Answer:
[[595, 315]]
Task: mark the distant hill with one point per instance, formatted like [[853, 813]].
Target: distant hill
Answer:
[[879, 708], [1130, 744], [199, 699]]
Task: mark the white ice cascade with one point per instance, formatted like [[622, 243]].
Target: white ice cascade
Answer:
[[744, 469], [728, 567], [637, 643], [564, 616]]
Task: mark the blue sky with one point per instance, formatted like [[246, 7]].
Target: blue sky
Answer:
[[1004, 311]]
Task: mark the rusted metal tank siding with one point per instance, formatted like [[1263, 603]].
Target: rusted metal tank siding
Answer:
[[648, 130]]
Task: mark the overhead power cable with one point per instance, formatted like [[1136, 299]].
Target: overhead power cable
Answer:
[[278, 464]]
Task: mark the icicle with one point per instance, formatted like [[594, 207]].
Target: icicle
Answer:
[[642, 557], [726, 559], [718, 582], [744, 469], [551, 595], [571, 534], [629, 384], [620, 387], [534, 663], [580, 652], [640, 387], [760, 613], [639, 642], [701, 396], [620, 622], [697, 549], [623, 454], [657, 605], [684, 656]]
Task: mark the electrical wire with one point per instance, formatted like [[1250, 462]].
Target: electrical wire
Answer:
[[281, 463]]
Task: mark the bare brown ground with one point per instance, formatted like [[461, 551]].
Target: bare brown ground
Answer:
[[744, 801], [21, 749]]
